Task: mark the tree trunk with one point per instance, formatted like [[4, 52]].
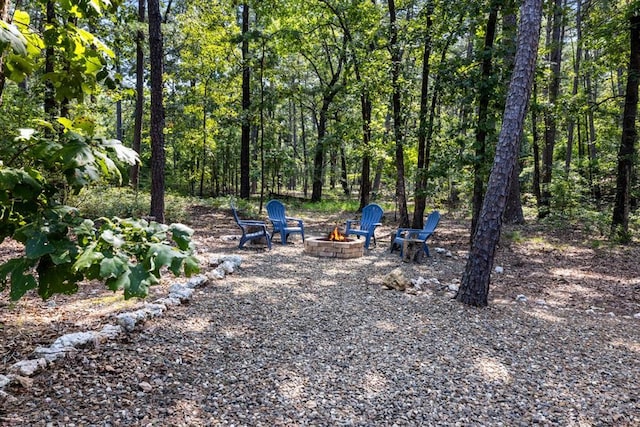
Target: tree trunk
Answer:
[[4, 16], [620, 222], [550, 115], [329, 93], [50, 104], [305, 153], [137, 129], [574, 90], [420, 196], [483, 129], [245, 159], [513, 213], [156, 56], [474, 289], [396, 59]]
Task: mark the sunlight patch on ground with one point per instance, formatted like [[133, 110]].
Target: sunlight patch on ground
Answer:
[[233, 331], [575, 273], [631, 346], [197, 324], [493, 370], [374, 384], [292, 386], [306, 296], [546, 316], [386, 326]]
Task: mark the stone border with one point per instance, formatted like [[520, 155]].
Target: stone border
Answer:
[[20, 372]]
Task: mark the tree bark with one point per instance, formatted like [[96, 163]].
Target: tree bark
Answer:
[[396, 58], [620, 221], [138, 114], [483, 129], [50, 104], [474, 289], [550, 116], [157, 111], [420, 196], [4, 16], [245, 159]]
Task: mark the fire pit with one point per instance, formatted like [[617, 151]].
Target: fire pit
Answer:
[[334, 246]]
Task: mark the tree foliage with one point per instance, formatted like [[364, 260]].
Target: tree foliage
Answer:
[[43, 161]]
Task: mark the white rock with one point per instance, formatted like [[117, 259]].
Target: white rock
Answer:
[[110, 332], [228, 267], [521, 298], [145, 386], [168, 301], [440, 250], [4, 381], [28, 368], [499, 270], [448, 254], [154, 309], [51, 354], [76, 339], [541, 302], [197, 281], [453, 287], [181, 292], [636, 316], [216, 274]]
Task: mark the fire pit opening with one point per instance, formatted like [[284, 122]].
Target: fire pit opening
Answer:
[[335, 245]]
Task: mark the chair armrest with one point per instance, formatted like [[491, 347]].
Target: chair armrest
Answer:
[[406, 232], [298, 220], [251, 222], [351, 221]]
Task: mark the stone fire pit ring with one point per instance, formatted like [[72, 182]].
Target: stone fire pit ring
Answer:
[[325, 248]]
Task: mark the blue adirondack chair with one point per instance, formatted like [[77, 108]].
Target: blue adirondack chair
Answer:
[[371, 217], [251, 229], [282, 223], [417, 234]]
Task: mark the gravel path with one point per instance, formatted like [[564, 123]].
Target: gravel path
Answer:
[[293, 340]]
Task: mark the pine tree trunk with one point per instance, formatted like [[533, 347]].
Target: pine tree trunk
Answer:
[[4, 15], [245, 160], [483, 129], [138, 114], [474, 289], [420, 196], [620, 222], [396, 58], [550, 116], [156, 55]]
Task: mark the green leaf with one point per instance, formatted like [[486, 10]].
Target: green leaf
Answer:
[[112, 267], [20, 282], [181, 235], [114, 240], [124, 154], [160, 255], [10, 35], [38, 245], [56, 279], [139, 282], [88, 257], [191, 266]]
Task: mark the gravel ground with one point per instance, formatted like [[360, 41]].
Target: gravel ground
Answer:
[[292, 340]]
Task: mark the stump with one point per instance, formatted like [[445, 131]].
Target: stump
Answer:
[[412, 250]]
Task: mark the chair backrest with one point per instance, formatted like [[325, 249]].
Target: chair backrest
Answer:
[[432, 222], [234, 209], [371, 214], [275, 210]]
